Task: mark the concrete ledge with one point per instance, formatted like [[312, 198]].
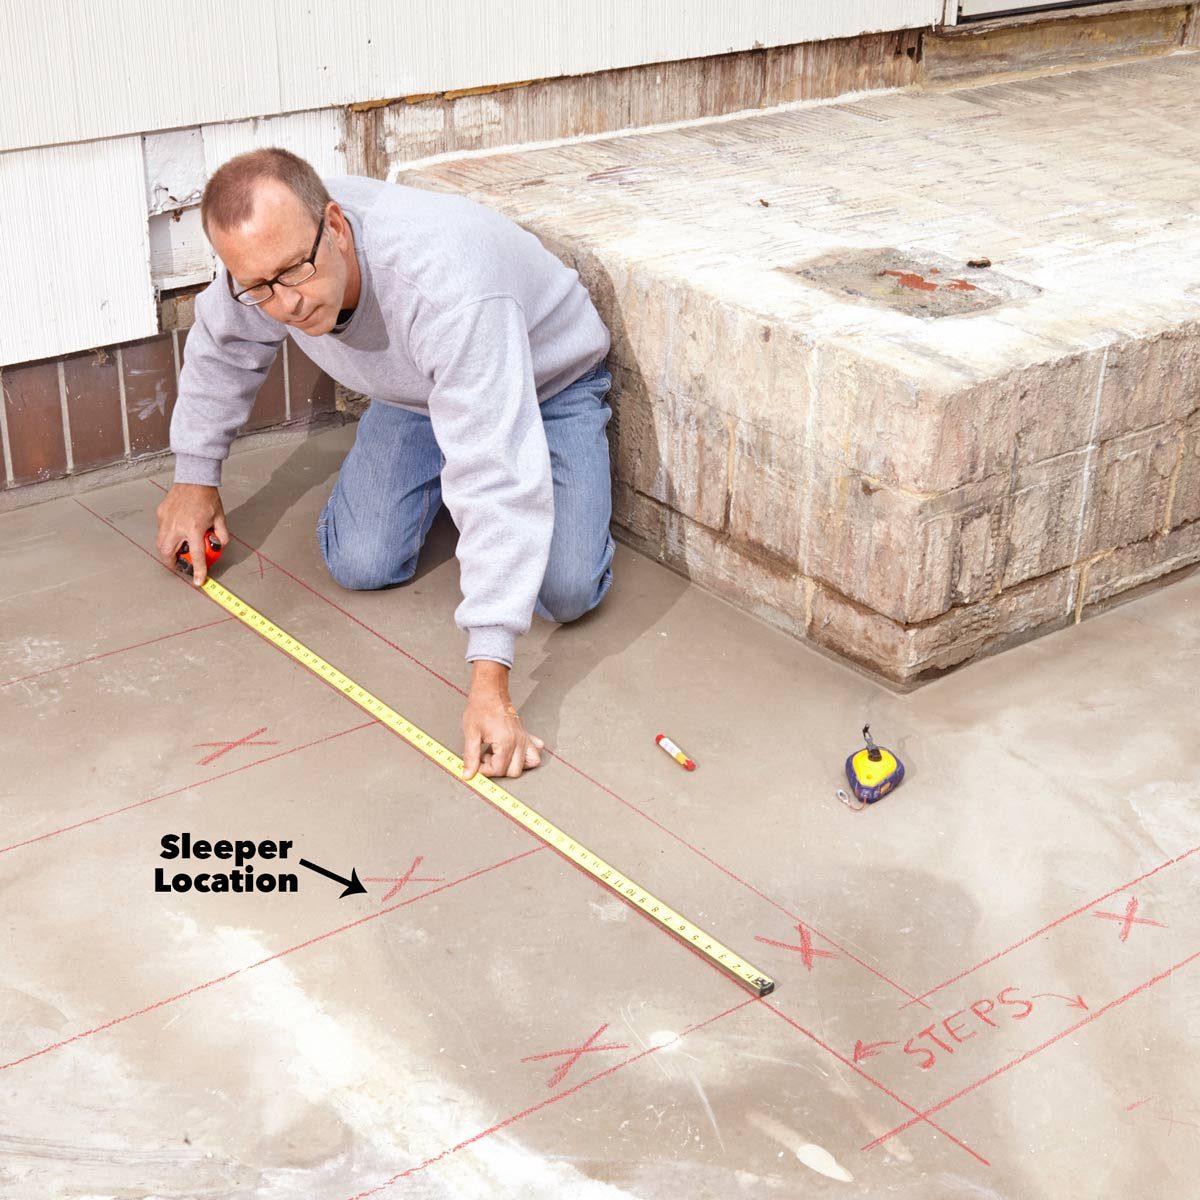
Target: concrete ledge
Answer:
[[909, 464], [1066, 38]]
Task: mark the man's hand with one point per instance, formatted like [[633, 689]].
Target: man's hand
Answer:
[[496, 741], [186, 514]]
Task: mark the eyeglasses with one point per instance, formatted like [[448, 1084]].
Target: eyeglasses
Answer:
[[260, 293]]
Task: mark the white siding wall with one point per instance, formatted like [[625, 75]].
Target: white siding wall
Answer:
[[108, 108], [72, 70], [73, 241]]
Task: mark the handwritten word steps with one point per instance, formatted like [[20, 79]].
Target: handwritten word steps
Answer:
[[240, 878]]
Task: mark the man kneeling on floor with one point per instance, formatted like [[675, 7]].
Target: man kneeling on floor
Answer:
[[484, 360]]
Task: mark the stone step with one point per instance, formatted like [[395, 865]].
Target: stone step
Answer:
[[912, 375]]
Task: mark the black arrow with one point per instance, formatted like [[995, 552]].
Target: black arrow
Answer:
[[353, 887]]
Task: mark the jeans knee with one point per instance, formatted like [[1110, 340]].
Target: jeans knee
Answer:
[[360, 569], [567, 600]]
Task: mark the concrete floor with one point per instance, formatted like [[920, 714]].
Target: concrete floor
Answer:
[[1042, 850]]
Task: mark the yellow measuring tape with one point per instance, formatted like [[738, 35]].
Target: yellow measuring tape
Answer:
[[718, 955]]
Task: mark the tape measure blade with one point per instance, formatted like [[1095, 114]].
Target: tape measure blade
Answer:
[[575, 852]]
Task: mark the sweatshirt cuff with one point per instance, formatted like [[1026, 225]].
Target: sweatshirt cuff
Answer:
[[492, 642], [192, 468]]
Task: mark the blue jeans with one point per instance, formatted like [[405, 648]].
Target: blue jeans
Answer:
[[389, 491]]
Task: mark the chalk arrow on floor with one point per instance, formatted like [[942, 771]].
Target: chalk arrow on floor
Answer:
[[1072, 1001], [870, 1049], [353, 886]]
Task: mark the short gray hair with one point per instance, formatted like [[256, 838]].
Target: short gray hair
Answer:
[[229, 197]]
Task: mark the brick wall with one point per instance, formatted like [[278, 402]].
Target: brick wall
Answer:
[[113, 405]]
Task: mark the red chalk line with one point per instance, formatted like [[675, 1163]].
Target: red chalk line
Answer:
[[737, 878], [918, 1117], [382, 912], [913, 999], [533, 1108], [79, 662], [573, 1055], [808, 953], [402, 881], [227, 747], [270, 958], [581, 773], [1092, 1016], [1054, 924], [442, 766], [187, 787], [332, 603], [1128, 918]]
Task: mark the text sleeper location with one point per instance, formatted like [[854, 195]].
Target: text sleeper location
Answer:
[[241, 877]]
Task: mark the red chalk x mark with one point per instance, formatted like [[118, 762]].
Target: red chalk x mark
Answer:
[[573, 1055], [1128, 918], [1095, 1015], [870, 1049], [227, 746], [1173, 1121], [402, 881], [806, 951]]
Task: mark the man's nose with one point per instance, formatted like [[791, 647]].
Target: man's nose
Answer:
[[290, 299]]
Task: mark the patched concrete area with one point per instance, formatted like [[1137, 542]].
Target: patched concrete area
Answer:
[[986, 982], [821, 419], [918, 285]]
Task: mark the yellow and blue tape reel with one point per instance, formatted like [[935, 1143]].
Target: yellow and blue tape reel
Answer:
[[873, 771]]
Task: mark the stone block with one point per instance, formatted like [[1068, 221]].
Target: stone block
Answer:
[[605, 277], [705, 347], [860, 634], [945, 474], [895, 412], [1132, 566], [770, 367], [907, 421], [673, 450], [980, 535], [640, 517], [1131, 490], [759, 585], [905, 653], [1151, 381], [906, 555], [1047, 511], [638, 318], [1185, 504], [737, 362], [767, 490], [1053, 406]]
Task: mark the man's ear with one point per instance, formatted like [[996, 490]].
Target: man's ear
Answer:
[[336, 223]]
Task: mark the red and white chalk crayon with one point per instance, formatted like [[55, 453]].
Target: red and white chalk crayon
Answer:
[[675, 752]]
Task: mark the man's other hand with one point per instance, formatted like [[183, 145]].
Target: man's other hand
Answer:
[[496, 743], [187, 513]]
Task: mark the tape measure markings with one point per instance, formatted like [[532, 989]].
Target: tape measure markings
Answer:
[[692, 936]]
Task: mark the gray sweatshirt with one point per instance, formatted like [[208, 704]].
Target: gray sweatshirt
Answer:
[[462, 315]]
